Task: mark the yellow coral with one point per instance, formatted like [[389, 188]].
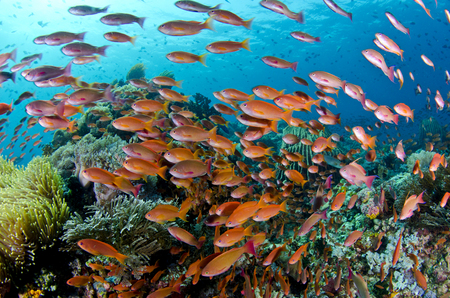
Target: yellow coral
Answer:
[[32, 212], [372, 216]]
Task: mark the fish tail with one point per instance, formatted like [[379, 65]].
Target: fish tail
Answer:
[[323, 214], [13, 55], [13, 77], [251, 97], [213, 133], [133, 39], [201, 240], [59, 111], [233, 148], [71, 126], [170, 145], [182, 214], [166, 107], [245, 44], [97, 58], [317, 39], [176, 287], [178, 83], [412, 116], [407, 30], [202, 59], [141, 21], [248, 231], [390, 73], [162, 172], [369, 180], [68, 69], [274, 126], [248, 24], [105, 9], [185, 98], [208, 24], [395, 119], [80, 36], [136, 189], [287, 116], [216, 7], [300, 17], [294, 66], [249, 247], [337, 92], [372, 141], [121, 258], [283, 207], [350, 16], [102, 50], [428, 12]]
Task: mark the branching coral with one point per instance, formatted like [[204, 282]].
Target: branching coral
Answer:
[[201, 106], [121, 223], [32, 212], [136, 72]]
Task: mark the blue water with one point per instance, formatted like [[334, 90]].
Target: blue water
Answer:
[[339, 52]]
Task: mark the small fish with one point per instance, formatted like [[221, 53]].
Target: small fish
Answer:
[[223, 262], [355, 174], [360, 284], [410, 205], [117, 19], [85, 10], [427, 61], [420, 2], [334, 7], [399, 152], [377, 60], [79, 281], [96, 248], [76, 49], [63, 37], [396, 24], [185, 57], [194, 6], [227, 17], [384, 113], [279, 63], [398, 249], [305, 37], [222, 47], [186, 237], [185, 28], [281, 8], [5, 56], [119, 37], [311, 221]]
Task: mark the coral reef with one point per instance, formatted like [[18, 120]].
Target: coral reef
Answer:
[[201, 106], [136, 72], [121, 223], [32, 213]]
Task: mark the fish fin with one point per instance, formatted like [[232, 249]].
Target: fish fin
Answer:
[[274, 126], [71, 126], [248, 230], [208, 24], [162, 172], [201, 240], [350, 16], [294, 66], [245, 44], [372, 141], [136, 189], [182, 214], [80, 36], [268, 151], [300, 17], [133, 39], [283, 207], [141, 21], [68, 69], [186, 98], [369, 180], [213, 133], [97, 58], [121, 258], [178, 83], [202, 59], [248, 24], [13, 77], [287, 116], [395, 119], [390, 73], [105, 9], [60, 109], [102, 50], [166, 107], [317, 39], [13, 55], [249, 247]]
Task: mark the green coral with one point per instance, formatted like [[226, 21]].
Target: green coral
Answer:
[[122, 224], [136, 72], [32, 212]]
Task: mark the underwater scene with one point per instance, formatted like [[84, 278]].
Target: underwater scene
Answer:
[[224, 148]]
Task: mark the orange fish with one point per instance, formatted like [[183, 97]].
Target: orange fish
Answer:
[[264, 110], [96, 248], [79, 281], [185, 28], [274, 255], [186, 237], [296, 256], [231, 237], [223, 47], [338, 201], [119, 37], [188, 133], [185, 57], [427, 61], [227, 17], [163, 213], [267, 212], [279, 63], [410, 205], [405, 111], [397, 250], [143, 167], [224, 261]]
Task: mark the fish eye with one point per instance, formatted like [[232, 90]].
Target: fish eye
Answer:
[[245, 104], [220, 241], [229, 222], [168, 153]]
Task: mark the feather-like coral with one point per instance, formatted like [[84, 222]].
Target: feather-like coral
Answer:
[[32, 212]]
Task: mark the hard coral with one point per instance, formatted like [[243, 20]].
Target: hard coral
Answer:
[[201, 106], [32, 212], [136, 72]]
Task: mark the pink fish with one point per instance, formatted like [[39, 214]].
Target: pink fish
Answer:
[[410, 206], [353, 237], [378, 60], [384, 113], [396, 23], [311, 221], [334, 7], [279, 63], [399, 152], [62, 37], [76, 49], [45, 72], [116, 19], [355, 174]]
